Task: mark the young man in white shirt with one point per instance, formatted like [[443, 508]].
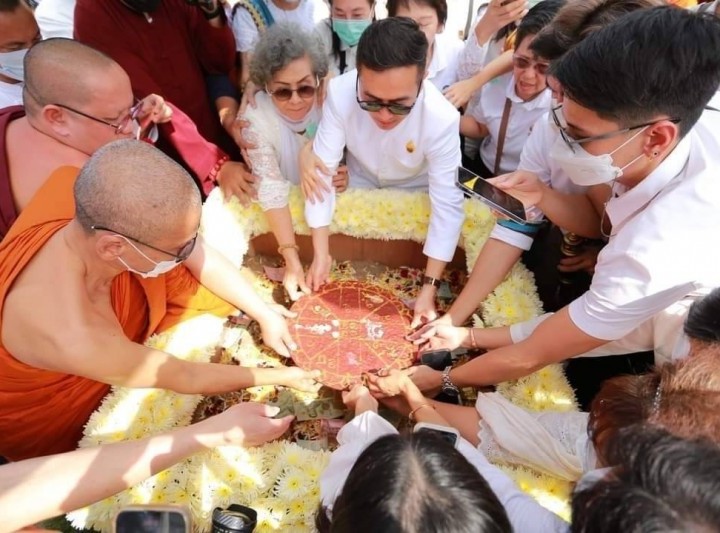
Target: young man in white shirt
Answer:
[[400, 132], [18, 32], [641, 135]]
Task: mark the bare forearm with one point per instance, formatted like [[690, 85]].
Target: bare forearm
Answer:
[[38, 489], [281, 225], [492, 265], [434, 267], [321, 241], [572, 212], [222, 278], [469, 127], [554, 340], [227, 108]]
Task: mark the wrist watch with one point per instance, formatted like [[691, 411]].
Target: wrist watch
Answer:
[[448, 387], [428, 280]]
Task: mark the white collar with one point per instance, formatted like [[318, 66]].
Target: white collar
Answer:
[[621, 208], [541, 100], [438, 61]]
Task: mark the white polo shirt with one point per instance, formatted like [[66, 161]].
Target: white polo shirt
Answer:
[[422, 152], [443, 67], [247, 34], [665, 235], [523, 116]]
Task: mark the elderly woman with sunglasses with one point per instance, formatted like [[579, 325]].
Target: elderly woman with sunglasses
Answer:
[[289, 64]]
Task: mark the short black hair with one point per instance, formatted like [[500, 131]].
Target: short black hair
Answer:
[[537, 18], [440, 7], [579, 18], [661, 483], [391, 43], [415, 482], [703, 319], [658, 61], [7, 6]]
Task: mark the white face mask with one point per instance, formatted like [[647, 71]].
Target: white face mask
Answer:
[[11, 64], [585, 169], [163, 267]]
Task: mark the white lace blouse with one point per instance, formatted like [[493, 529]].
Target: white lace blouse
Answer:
[[274, 160]]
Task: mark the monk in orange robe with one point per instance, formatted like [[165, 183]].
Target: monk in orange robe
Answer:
[[80, 294]]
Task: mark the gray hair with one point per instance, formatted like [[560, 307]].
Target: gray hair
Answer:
[[280, 45]]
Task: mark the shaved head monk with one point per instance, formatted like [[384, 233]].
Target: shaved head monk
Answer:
[[80, 294], [76, 100]]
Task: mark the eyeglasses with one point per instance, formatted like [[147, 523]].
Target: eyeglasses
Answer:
[[121, 127], [524, 63], [180, 257], [571, 142], [373, 106], [306, 92]]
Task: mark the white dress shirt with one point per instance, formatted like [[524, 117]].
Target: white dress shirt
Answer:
[[421, 152], [246, 32], [10, 94], [443, 67], [56, 18], [665, 234], [523, 116], [525, 514]]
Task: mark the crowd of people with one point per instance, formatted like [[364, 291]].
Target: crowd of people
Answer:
[[119, 117]]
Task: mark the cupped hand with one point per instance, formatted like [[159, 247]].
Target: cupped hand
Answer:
[[439, 336], [424, 307], [319, 272], [234, 179], [359, 399], [460, 92], [302, 380], [275, 332], [294, 282], [312, 171], [249, 424]]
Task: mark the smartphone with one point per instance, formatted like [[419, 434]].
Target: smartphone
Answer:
[[153, 519], [490, 195], [451, 435], [436, 359]]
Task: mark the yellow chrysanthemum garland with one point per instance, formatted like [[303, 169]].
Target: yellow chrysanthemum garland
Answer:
[[279, 479]]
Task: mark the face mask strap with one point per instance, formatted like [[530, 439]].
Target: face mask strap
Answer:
[[137, 250], [629, 140]]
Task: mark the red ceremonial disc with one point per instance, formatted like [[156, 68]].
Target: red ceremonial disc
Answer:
[[348, 328]]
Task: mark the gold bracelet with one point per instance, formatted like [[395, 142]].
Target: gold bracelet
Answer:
[[283, 247], [412, 413], [473, 342]]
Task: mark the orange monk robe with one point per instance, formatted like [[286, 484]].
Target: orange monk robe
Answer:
[[44, 412]]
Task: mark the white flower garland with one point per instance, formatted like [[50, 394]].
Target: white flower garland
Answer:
[[280, 479]]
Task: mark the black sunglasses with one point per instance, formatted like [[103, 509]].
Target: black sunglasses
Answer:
[[373, 106], [180, 257]]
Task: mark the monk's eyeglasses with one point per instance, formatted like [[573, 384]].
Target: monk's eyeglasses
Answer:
[[185, 250], [120, 127]]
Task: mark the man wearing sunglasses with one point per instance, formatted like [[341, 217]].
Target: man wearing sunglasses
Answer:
[[81, 294], [399, 131], [634, 121]]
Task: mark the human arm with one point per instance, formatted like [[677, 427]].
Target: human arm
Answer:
[[469, 127], [572, 212], [37, 489], [555, 339], [494, 262], [221, 277], [328, 146], [460, 93]]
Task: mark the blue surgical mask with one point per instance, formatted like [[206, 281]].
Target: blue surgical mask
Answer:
[[163, 267], [11, 64], [349, 31]]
